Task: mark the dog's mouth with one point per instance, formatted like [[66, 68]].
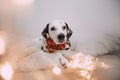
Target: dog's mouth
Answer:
[[61, 41]]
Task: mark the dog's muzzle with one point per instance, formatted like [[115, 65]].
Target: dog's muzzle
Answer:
[[61, 38]]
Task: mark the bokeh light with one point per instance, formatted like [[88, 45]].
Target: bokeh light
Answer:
[[23, 2], [56, 70], [2, 46], [6, 71]]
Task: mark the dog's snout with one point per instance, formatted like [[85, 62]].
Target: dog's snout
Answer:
[[61, 36]]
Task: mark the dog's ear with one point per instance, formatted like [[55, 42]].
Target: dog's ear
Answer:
[[69, 31], [45, 33]]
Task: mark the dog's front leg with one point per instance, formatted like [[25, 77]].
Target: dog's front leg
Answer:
[[63, 61]]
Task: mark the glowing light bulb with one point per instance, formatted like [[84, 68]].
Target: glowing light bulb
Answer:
[[84, 73], [6, 71], [88, 77], [56, 70], [105, 66]]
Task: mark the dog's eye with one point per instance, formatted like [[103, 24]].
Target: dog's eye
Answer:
[[53, 29], [64, 27]]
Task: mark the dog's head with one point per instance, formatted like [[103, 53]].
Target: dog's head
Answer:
[[58, 31]]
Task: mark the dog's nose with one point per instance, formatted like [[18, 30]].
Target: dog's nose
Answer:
[[61, 36]]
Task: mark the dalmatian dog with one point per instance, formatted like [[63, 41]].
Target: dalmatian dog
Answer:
[[56, 34], [56, 39]]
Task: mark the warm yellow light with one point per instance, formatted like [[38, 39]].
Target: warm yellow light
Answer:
[[84, 73], [2, 46], [82, 61], [88, 77], [85, 63], [6, 71], [105, 66], [23, 2], [56, 70]]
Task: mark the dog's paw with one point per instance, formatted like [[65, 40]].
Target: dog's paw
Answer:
[[64, 62]]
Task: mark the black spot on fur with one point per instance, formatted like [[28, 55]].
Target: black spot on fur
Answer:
[[42, 48], [67, 48], [45, 31], [69, 31]]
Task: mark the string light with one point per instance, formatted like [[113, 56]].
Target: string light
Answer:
[[105, 66], [84, 73], [85, 63], [88, 76]]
